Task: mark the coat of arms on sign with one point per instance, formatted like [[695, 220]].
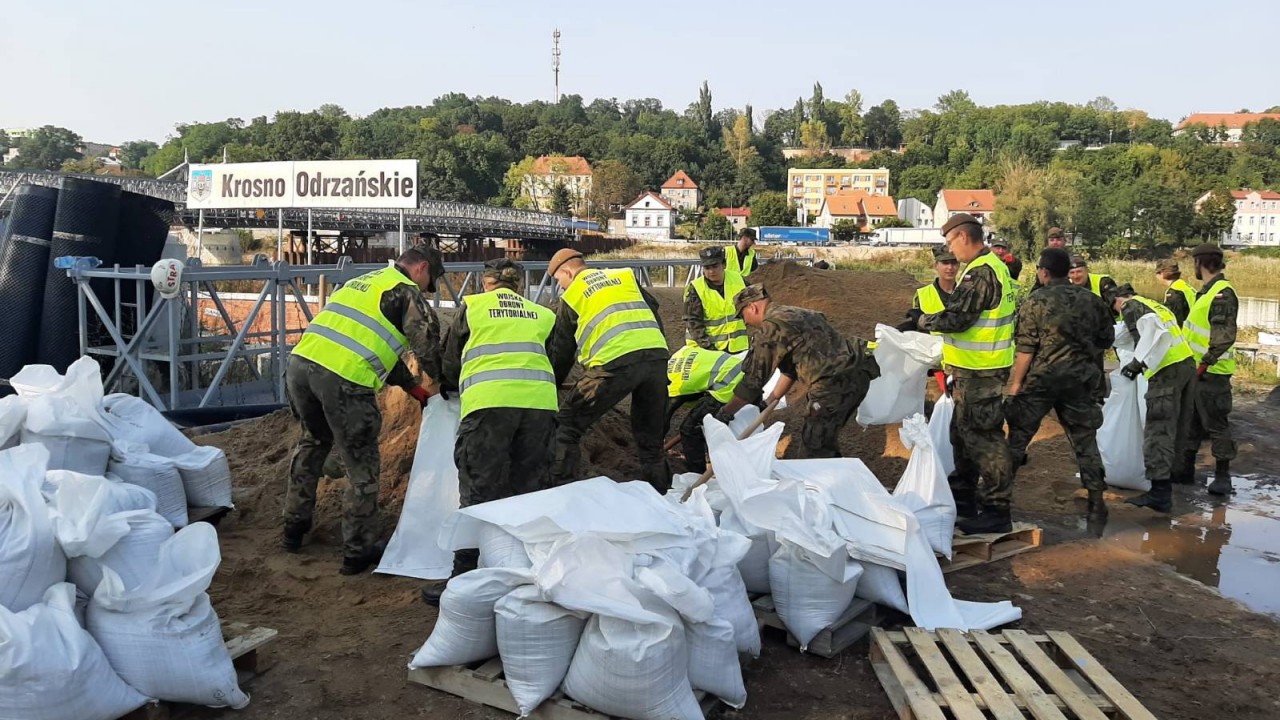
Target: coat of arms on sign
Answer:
[[201, 184]]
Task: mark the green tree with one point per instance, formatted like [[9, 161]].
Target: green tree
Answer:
[[955, 101], [884, 126], [47, 148], [1216, 215], [513, 184], [561, 202], [737, 141], [1030, 200], [845, 230], [134, 153], [893, 221], [772, 209], [853, 130], [814, 137], [715, 227], [613, 185]]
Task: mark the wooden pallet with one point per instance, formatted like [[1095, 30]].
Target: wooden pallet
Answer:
[[483, 683], [970, 550], [853, 625], [1007, 676], [243, 643]]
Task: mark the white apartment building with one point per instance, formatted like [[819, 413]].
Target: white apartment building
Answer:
[[1257, 219], [807, 188], [649, 217]]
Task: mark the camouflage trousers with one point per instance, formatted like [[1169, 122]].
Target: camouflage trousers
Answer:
[[828, 408], [500, 453], [596, 392], [983, 464], [1212, 418], [1080, 416], [692, 440], [334, 414], [1170, 407]]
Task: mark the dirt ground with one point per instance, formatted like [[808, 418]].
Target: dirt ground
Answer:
[[1182, 648]]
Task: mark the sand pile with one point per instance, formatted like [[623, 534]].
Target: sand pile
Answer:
[[852, 301]]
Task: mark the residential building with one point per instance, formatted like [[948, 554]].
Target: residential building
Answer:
[[16, 134], [739, 217], [1257, 220], [978, 203], [806, 188], [1233, 123], [915, 212], [551, 170], [856, 205], [649, 217], [681, 192]]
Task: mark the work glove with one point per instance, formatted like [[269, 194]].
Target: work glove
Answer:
[[944, 382], [1200, 371], [724, 416], [420, 394], [912, 323], [1133, 369]]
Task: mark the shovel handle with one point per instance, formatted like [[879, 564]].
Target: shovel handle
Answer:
[[764, 415]]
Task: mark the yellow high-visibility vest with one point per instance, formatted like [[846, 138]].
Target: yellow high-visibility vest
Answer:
[[1196, 329], [505, 363], [988, 344], [693, 370], [1187, 291], [725, 329], [929, 301], [731, 260], [613, 318], [350, 337], [1178, 349], [1095, 283]]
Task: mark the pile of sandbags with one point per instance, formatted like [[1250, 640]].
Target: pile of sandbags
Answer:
[[608, 591]]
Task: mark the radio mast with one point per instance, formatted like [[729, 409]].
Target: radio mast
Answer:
[[555, 62]]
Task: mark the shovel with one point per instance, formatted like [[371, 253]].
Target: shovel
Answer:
[[755, 424]]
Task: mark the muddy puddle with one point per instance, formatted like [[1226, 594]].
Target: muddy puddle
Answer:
[[1232, 545]]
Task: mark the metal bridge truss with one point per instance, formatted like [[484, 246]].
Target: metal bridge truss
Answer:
[[161, 351]]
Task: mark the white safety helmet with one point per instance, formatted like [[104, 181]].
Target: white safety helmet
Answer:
[[166, 275]]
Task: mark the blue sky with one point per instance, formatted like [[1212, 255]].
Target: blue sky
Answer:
[[115, 71]]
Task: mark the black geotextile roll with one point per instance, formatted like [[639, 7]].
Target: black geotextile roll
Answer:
[[140, 237], [23, 265], [85, 225]]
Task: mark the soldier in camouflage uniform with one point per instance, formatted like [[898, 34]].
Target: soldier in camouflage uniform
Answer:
[[1170, 396], [1063, 330], [802, 345], [331, 380], [1211, 332], [1178, 295]]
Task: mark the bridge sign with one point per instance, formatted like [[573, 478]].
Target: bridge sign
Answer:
[[372, 184]]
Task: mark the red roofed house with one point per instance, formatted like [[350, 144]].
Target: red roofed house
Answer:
[[856, 205], [1233, 123], [739, 217], [978, 203], [681, 191], [548, 171], [1257, 218], [649, 217]]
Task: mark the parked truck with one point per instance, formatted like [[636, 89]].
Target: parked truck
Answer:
[[906, 237], [793, 235]]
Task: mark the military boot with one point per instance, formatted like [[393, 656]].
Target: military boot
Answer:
[[1097, 509], [990, 519], [966, 502], [464, 561], [1221, 484], [1185, 474], [1158, 498], [354, 565], [294, 532]]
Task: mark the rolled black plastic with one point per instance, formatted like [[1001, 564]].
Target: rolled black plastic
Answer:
[[24, 262]]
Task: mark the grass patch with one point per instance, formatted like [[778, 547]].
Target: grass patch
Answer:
[[1251, 274]]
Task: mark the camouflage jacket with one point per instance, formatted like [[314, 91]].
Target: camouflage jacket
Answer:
[[407, 309], [1222, 320], [802, 345], [1065, 328]]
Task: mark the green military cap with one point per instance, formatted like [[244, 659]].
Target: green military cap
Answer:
[[957, 220], [1206, 250], [1168, 265], [711, 256], [1056, 232], [943, 255], [504, 270], [748, 295], [1119, 291], [433, 259], [998, 243], [1078, 261]]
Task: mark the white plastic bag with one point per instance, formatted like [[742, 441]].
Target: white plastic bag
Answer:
[[93, 533], [163, 636], [713, 661], [74, 437], [881, 584], [134, 420], [1121, 435], [633, 670], [132, 464], [466, 629], [807, 599], [13, 412], [415, 549], [206, 477], [730, 594], [499, 548], [940, 432], [31, 561], [83, 379], [51, 669], [537, 641], [904, 359], [924, 488]]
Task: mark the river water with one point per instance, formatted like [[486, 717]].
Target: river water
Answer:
[[1260, 313]]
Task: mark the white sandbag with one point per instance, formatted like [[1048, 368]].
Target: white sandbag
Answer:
[[31, 561], [807, 599], [134, 420], [499, 548], [883, 585], [633, 670], [940, 432], [83, 379], [924, 488], [713, 661], [206, 477], [415, 549], [537, 641], [163, 636], [120, 496], [64, 416], [93, 533], [1121, 435], [51, 669], [13, 413], [132, 464], [732, 604], [465, 629], [904, 359]]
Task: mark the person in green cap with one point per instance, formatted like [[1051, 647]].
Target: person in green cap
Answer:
[[1179, 296], [932, 298], [1080, 275], [1210, 330]]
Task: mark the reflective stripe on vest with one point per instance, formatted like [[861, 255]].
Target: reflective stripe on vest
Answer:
[[504, 363], [613, 318], [350, 337], [988, 344], [929, 300], [1178, 349], [733, 264], [1095, 283], [693, 370], [1196, 330], [1187, 291], [725, 329]]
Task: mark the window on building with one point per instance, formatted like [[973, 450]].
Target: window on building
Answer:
[[661, 221], [635, 220], [647, 220], [1250, 219]]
